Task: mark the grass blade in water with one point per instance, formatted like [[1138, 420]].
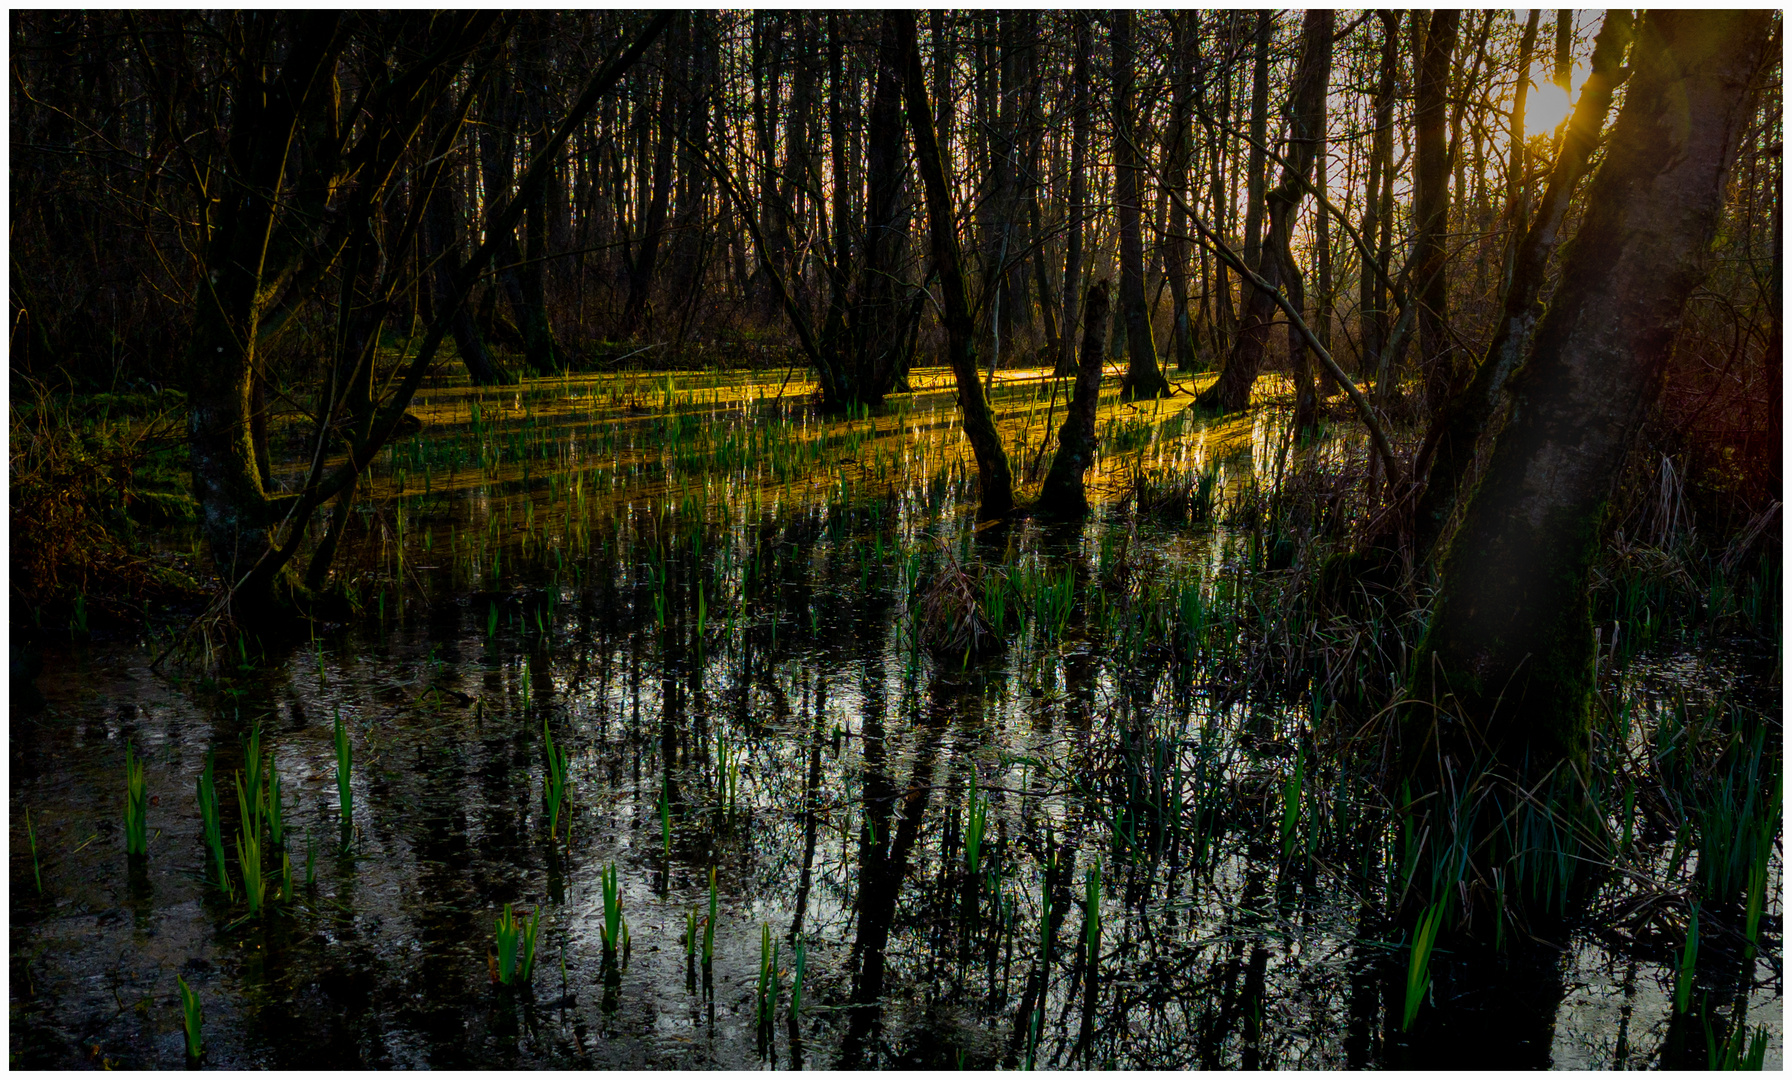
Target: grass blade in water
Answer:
[[136, 807]]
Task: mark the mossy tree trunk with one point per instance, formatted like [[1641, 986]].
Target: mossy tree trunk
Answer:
[[1508, 660], [995, 481], [1062, 496]]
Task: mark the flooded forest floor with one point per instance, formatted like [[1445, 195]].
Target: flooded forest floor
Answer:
[[777, 759]]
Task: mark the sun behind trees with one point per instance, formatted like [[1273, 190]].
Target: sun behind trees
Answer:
[[1295, 441]]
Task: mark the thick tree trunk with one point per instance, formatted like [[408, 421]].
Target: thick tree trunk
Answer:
[[877, 314], [1431, 204], [1062, 495], [1078, 198], [1143, 377], [1508, 659], [994, 478], [1470, 414]]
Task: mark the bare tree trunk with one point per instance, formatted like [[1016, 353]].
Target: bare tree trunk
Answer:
[[1231, 392], [1509, 653], [1257, 166], [1431, 204], [1062, 495], [1182, 345], [641, 271], [1078, 198], [1143, 377], [994, 479], [1518, 203], [877, 314], [441, 227]]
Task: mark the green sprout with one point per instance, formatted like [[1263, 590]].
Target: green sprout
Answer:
[[136, 806], [191, 1019]]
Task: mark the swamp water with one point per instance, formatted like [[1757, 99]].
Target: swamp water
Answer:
[[1102, 844]]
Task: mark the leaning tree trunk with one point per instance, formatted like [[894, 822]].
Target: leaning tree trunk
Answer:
[[1510, 651], [995, 481], [1143, 377], [1451, 445], [1062, 496]]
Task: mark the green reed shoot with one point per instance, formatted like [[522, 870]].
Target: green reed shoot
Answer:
[[248, 856], [666, 820], [516, 946], [709, 928], [191, 1020], [615, 928], [248, 809], [554, 783], [31, 838], [252, 763], [1418, 970], [310, 859], [974, 830], [136, 806], [286, 877], [767, 993], [1291, 791], [345, 765], [212, 826], [800, 957], [1689, 960]]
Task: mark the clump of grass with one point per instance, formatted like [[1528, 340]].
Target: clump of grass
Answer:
[[136, 806], [191, 1019], [1418, 969], [554, 783], [1180, 496], [615, 928], [516, 946], [1744, 1050], [952, 619]]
